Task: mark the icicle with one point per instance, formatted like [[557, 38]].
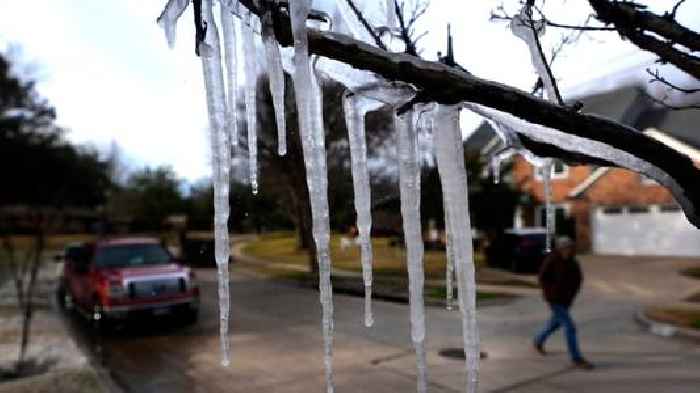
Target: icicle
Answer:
[[453, 175], [275, 73], [409, 178], [521, 28], [228, 30], [251, 75], [221, 164], [312, 134], [355, 122], [495, 164], [168, 19], [450, 257], [546, 172]]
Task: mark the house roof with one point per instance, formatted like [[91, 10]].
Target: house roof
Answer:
[[673, 143]]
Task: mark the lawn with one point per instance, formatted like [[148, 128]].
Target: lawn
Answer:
[[693, 272], [281, 247], [678, 316]]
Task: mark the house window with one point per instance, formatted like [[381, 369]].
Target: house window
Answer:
[[669, 208], [638, 209], [612, 210], [559, 171]]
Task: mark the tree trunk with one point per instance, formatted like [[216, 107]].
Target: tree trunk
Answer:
[[28, 310]]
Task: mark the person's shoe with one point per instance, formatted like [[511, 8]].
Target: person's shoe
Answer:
[[539, 348], [583, 364]]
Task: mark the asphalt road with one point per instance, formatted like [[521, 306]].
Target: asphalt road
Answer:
[[277, 346]]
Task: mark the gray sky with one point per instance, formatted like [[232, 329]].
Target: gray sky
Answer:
[[107, 69]]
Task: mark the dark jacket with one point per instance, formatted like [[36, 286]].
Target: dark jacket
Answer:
[[560, 279]]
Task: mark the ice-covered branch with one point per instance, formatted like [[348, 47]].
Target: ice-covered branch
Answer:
[[633, 22], [443, 84]]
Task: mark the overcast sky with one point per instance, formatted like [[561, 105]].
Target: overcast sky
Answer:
[[107, 69]]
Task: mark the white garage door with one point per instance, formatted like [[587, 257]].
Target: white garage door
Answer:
[[643, 230]]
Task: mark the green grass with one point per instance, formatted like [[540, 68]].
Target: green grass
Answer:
[[282, 247], [693, 272], [695, 324]]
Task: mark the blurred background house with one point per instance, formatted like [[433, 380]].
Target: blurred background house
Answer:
[[611, 210]]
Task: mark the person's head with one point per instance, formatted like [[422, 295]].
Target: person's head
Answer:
[[565, 246]]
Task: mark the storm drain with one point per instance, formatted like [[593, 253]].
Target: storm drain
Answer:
[[457, 353]]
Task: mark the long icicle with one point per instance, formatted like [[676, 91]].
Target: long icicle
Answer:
[[251, 74], [275, 73], [310, 111], [355, 122], [221, 164], [546, 172], [228, 30], [453, 176], [409, 179]]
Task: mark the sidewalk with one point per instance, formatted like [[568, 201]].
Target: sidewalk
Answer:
[[57, 364]]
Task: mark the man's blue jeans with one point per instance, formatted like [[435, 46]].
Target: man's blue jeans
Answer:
[[561, 317]]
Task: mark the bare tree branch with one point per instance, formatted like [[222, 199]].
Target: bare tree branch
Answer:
[[656, 77], [631, 21], [404, 30], [366, 24], [669, 106], [672, 15]]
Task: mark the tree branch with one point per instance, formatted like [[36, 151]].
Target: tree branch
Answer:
[[630, 20], [440, 83], [656, 77], [365, 23]]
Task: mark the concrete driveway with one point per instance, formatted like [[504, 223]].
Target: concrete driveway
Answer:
[[276, 342]]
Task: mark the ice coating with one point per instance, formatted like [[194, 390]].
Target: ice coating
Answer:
[[355, 108], [453, 176], [522, 28], [308, 100], [228, 32], [546, 172], [409, 182], [251, 76], [168, 19], [275, 73], [221, 164], [495, 164]]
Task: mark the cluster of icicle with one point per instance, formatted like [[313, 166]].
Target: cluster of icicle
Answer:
[[365, 92]]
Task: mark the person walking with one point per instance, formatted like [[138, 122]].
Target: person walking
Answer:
[[560, 277]]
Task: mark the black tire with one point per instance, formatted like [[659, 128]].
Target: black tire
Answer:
[[190, 317]]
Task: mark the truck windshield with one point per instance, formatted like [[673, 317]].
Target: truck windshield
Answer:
[[131, 255]]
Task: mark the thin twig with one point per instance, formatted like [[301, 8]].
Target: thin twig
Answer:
[[672, 15], [656, 77], [672, 107], [366, 24], [405, 33]]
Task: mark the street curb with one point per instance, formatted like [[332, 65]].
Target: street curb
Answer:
[[664, 329]]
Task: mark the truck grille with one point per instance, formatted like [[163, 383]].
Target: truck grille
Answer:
[[154, 288]]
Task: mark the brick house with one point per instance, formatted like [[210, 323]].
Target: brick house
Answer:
[[611, 210]]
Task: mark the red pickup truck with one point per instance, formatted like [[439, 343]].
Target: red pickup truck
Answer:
[[115, 279]]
